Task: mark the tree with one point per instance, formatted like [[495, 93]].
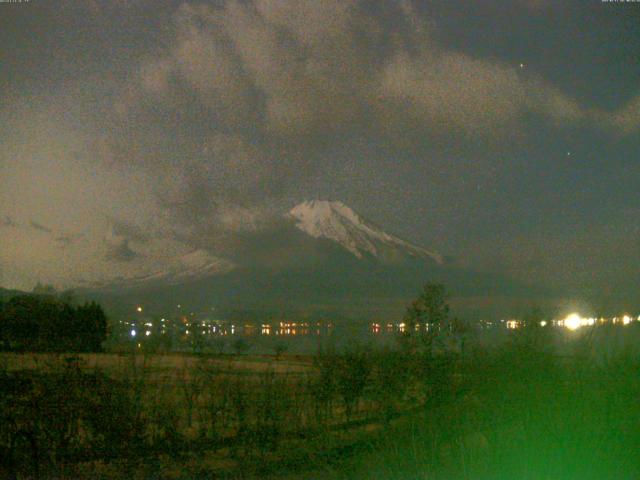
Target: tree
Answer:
[[240, 346], [427, 315], [41, 289], [45, 323], [352, 376], [4, 339], [91, 327], [197, 340], [280, 348], [219, 345]]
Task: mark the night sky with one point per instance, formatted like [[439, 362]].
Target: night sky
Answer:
[[505, 134]]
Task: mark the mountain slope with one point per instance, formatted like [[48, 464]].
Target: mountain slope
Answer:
[[337, 222], [184, 268], [319, 256]]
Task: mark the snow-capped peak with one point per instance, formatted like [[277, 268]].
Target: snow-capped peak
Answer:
[[337, 222]]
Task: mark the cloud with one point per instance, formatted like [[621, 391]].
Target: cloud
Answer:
[[450, 92], [117, 243], [198, 62], [626, 120], [119, 251], [130, 231], [39, 227], [244, 101], [65, 241], [8, 221], [242, 104], [222, 188], [293, 68], [536, 5], [289, 67]]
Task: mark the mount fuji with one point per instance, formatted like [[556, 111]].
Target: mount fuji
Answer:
[[318, 256], [337, 222]]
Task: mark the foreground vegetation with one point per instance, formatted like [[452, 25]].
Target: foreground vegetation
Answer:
[[444, 403], [517, 410], [47, 322]]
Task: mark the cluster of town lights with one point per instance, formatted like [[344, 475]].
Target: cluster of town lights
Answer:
[[139, 327], [575, 321], [572, 322]]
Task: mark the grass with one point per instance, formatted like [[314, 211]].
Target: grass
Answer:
[[520, 409], [518, 413]]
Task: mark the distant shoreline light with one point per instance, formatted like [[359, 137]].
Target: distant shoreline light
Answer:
[[573, 321]]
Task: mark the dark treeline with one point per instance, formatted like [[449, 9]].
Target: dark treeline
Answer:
[[50, 323]]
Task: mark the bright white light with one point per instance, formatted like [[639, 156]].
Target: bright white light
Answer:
[[147, 333], [573, 321], [543, 323], [139, 309], [626, 320], [133, 333]]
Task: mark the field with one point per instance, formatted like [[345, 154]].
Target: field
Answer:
[[228, 412], [160, 363], [532, 405]]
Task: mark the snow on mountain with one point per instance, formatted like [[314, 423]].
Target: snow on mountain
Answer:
[[337, 222], [199, 264], [193, 265]]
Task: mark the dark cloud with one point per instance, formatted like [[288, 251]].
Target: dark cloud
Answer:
[[132, 232], [65, 241], [39, 227], [9, 222], [120, 251]]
